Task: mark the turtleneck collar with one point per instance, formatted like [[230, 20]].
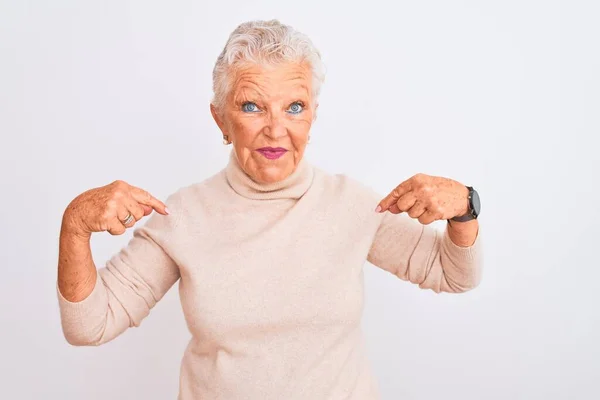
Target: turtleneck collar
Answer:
[[292, 187]]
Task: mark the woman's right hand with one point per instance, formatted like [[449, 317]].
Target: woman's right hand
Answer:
[[105, 208]]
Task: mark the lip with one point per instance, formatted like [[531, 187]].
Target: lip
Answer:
[[272, 153]]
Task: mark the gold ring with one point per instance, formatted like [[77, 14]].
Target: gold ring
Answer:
[[128, 219]]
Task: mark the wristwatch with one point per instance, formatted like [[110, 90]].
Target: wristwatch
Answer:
[[474, 207]]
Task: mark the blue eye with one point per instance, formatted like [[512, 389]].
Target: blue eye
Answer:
[[249, 107], [296, 108]]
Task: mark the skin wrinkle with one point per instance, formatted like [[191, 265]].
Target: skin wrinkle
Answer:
[[273, 90]]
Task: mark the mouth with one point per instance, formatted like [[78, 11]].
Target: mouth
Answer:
[[272, 153]]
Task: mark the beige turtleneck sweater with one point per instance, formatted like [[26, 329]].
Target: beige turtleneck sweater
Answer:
[[271, 282]]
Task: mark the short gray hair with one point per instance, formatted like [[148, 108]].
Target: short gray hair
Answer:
[[267, 43]]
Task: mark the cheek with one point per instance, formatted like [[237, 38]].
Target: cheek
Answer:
[[245, 130], [299, 132], [300, 127]]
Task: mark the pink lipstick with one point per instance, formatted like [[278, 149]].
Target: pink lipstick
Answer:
[[272, 153]]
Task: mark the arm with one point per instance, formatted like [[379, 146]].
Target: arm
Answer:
[[426, 257], [97, 306], [444, 262], [463, 234]]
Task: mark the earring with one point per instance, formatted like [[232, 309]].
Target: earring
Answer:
[[225, 140]]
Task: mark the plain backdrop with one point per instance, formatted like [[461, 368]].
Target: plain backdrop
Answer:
[[503, 96]]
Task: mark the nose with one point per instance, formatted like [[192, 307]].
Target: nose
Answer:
[[275, 127]]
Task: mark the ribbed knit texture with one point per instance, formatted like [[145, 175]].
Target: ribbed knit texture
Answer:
[[271, 282]]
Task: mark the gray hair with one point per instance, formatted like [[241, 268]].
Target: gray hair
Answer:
[[266, 43]]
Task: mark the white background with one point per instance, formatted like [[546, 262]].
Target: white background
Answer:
[[502, 95]]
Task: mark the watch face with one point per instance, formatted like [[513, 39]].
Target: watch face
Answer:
[[476, 203]]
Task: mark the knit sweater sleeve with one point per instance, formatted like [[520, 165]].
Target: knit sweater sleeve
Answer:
[[128, 286], [425, 256]]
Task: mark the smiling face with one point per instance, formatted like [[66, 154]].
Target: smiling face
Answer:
[[267, 115]]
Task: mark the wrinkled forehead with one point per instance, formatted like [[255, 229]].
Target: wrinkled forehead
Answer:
[[272, 80]]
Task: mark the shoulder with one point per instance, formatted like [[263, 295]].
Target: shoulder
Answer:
[[195, 197], [348, 203], [345, 188]]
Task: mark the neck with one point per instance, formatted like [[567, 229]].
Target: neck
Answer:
[[292, 187]]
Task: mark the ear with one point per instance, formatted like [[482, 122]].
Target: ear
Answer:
[[217, 118]]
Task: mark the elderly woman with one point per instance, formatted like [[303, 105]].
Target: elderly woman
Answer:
[[269, 252]]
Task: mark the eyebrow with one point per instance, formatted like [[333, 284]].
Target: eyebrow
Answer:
[[241, 93], [302, 85], [299, 91]]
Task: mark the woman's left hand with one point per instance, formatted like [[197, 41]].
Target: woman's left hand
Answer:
[[428, 199]]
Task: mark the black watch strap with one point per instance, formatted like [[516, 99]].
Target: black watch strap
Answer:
[[474, 207]]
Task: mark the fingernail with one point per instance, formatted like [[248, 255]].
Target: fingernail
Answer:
[[378, 209], [167, 210]]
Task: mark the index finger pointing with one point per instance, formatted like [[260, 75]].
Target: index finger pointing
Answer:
[[145, 198], [393, 197]]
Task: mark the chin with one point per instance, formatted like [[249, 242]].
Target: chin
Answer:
[[273, 174]]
